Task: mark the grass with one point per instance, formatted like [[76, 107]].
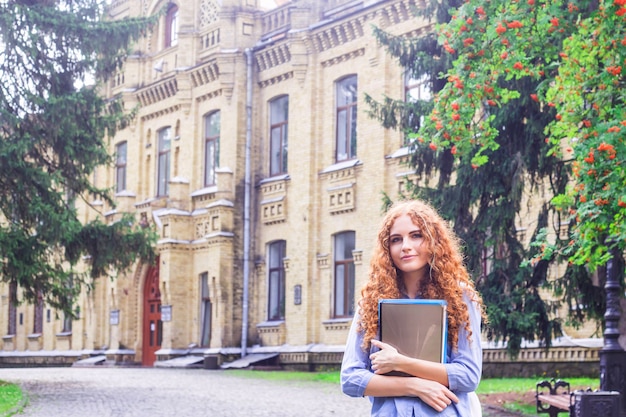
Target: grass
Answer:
[[521, 385], [331, 377], [11, 399], [487, 386], [525, 385]]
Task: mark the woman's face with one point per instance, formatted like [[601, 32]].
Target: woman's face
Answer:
[[408, 248]]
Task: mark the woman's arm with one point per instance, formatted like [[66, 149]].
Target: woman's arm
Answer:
[[388, 359], [462, 373], [358, 380], [431, 392]]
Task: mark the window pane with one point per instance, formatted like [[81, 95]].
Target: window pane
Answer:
[[350, 288], [206, 323], [416, 89], [342, 143], [275, 151], [274, 293], [352, 128], [344, 245], [213, 125], [164, 174], [344, 274], [339, 291], [276, 254], [165, 139], [276, 281], [346, 99], [284, 148], [211, 147], [346, 91], [120, 163], [209, 163], [67, 323], [279, 113], [205, 310], [279, 110], [171, 26], [204, 285]]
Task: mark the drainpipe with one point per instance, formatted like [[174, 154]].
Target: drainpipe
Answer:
[[249, 52], [246, 205]]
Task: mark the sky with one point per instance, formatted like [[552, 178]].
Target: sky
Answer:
[[271, 4]]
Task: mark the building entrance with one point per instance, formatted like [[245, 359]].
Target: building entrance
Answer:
[[152, 324]]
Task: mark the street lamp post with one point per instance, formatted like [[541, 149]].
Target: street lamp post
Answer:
[[612, 355]]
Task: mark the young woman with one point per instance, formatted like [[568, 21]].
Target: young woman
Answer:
[[416, 256]]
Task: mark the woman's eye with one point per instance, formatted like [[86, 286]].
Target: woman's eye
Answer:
[[417, 236]]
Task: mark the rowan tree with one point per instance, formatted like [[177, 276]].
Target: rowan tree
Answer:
[[528, 100], [53, 129]]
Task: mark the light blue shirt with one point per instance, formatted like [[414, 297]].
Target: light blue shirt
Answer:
[[464, 368]]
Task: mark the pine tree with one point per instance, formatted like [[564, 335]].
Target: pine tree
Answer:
[[484, 192], [53, 128]]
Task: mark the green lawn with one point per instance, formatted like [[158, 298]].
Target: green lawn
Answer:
[[10, 398], [526, 404], [521, 403]]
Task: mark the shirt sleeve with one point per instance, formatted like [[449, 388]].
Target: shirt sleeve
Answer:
[[465, 366], [355, 366]]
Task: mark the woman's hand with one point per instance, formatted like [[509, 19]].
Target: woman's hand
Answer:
[[386, 359], [432, 393]]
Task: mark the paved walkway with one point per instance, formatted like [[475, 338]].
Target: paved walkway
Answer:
[[156, 392]]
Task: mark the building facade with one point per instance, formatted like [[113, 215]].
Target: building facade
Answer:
[[253, 157]]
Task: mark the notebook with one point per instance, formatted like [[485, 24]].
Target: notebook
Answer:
[[416, 328]]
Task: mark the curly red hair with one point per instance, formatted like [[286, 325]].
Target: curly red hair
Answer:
[[448, 276]]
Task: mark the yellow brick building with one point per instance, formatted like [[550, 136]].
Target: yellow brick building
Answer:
[[253, 157]]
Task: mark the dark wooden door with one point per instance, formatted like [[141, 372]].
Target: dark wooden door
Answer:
[[152, 324]]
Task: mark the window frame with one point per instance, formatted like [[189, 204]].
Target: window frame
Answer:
[[211, 143], [206, 310], [276, 294], [164, 161], [38, 314], [12, 305], [279, 122], [67, 323], [121, 161], [419, 85], [171, 26], [346, 112], [343, 302]]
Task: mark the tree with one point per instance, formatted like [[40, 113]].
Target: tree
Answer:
[[53, 128], [502, 108], [574, 53]]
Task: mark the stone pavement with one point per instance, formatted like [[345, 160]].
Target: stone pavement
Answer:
[[156, 392]]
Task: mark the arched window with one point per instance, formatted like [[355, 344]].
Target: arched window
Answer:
[[171, 26]]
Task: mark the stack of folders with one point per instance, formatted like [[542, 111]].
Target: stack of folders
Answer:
[[416, 328]]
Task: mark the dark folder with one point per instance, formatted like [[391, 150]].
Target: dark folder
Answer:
[[416, 328]]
